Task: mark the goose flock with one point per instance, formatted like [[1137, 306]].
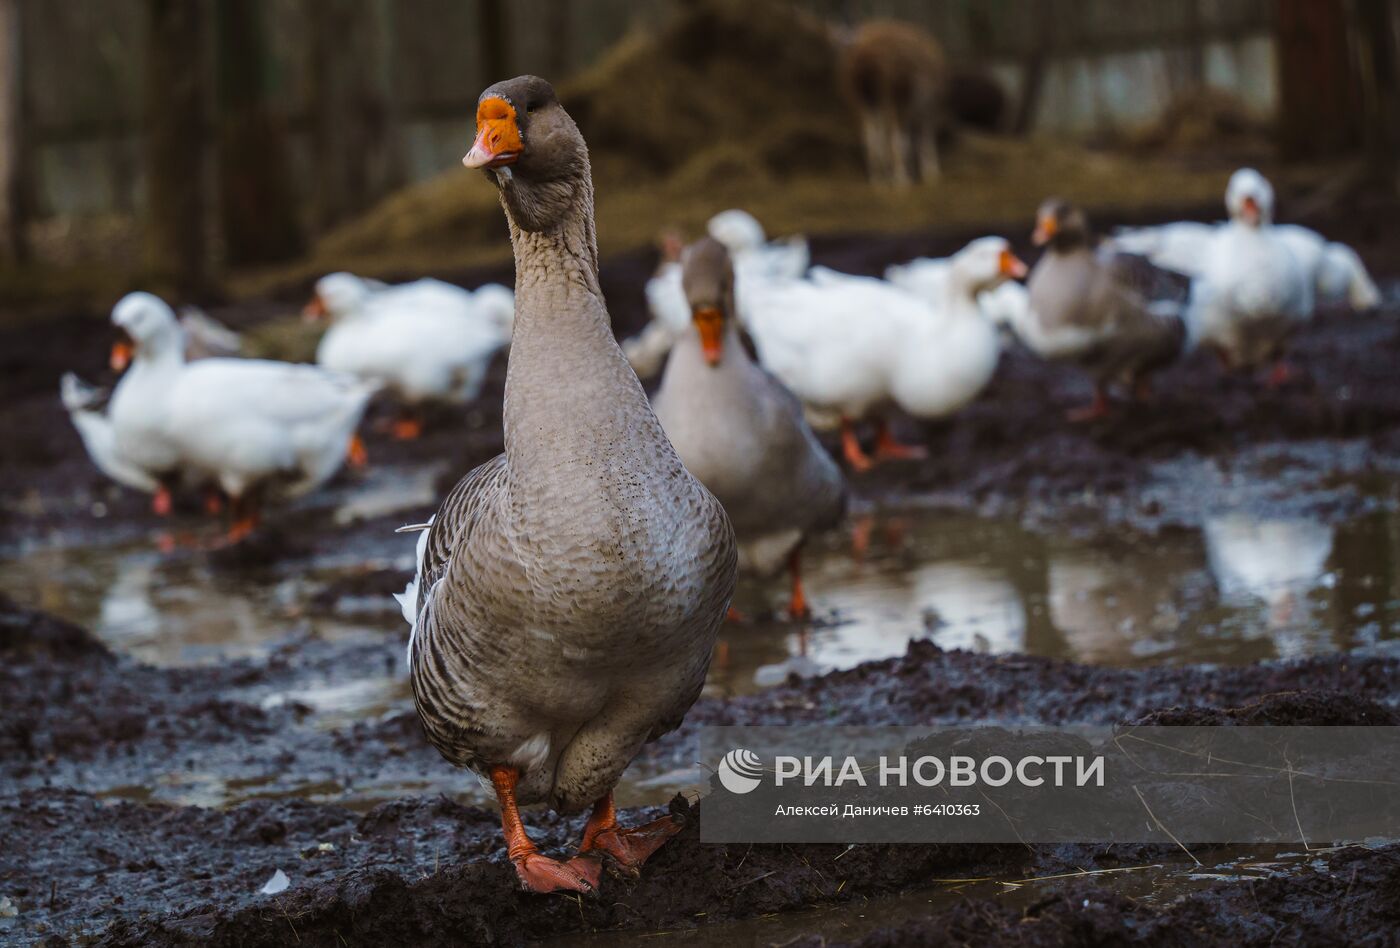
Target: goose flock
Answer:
[[568, 594]]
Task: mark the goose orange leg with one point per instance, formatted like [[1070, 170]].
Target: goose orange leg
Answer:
[[850, 447], [161, 503], [860, 537], [407, 426], [355, 453], [536, 872], [245, 518], [630, 847], [1098, 408], [889, 449], [798, 609]]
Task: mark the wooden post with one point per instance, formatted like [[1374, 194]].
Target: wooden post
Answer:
[[558, 27], [14, 189], [353, 141], [1033, 68], [257, 200], [174, 107], [1317, 88], [493, 39], [1375, 36]]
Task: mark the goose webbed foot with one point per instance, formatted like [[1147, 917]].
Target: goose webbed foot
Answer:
[[246, 517], [536, 872], [1098, 408], [850, 448], [887, 448], [1280, 375], [543, 875], [628, 848]]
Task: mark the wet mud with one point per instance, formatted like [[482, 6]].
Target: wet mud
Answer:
[[146, 805], [84, 859]]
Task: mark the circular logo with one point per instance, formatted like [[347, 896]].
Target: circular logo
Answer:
[[740, 771]]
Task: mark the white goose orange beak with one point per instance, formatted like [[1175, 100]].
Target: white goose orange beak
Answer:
[[1249, 210], [121, 355], [314, 310], [1012, 266]]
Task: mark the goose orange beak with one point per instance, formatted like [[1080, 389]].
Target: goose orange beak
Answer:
[[1045, 229], [1012, 266], [314, 310], [1250, 210], [710, 322], [121, 355], [497, 135]]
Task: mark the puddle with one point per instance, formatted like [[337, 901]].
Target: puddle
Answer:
[[173, 610], [1238, 591]]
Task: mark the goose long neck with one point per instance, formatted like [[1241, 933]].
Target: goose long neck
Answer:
[[159, 357], [571, 399], [960, 295]]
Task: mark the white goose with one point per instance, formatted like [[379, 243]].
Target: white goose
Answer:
[[83, 403], [257, 429], [1337, 272], [1338, 275], [1179, 246], [847, 345], [1253, 292], [427, 341], [1007, 304]]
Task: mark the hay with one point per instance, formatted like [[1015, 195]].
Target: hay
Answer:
[[734, 103], [721, 74]]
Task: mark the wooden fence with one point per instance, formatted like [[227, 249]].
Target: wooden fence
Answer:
[[408, 70]]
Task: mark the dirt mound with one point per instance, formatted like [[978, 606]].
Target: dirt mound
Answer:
[[718, 75], [1286, 709], [1348, 897], [26, 634]]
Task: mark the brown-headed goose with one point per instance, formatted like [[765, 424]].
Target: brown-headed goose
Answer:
[[1116, 314], [569, 591], [741, 432]]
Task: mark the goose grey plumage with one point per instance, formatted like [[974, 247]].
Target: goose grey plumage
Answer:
[[741, 432], [569, 591], [1114, 313]]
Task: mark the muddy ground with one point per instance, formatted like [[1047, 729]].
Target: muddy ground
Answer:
[[83, 863]]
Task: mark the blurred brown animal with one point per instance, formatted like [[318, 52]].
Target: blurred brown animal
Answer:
[[897, 78]]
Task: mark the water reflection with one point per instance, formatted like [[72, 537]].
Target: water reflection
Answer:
[[1277, 562], [1241, 589], [169, 610]]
